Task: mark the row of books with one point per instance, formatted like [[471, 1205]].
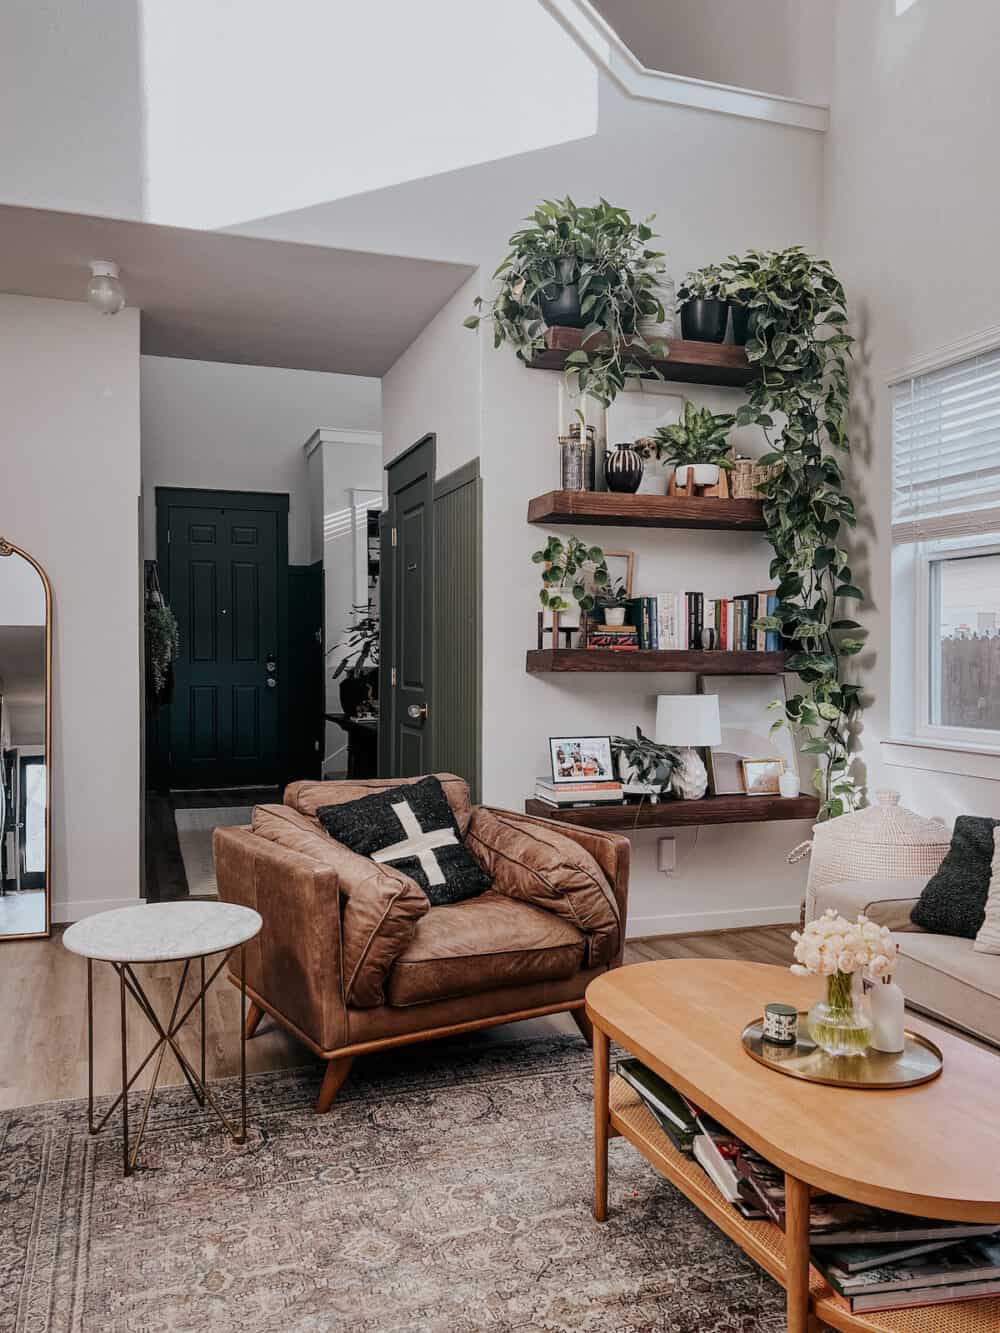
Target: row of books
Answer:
[[577, 795], [875, 1259], [681, 620]]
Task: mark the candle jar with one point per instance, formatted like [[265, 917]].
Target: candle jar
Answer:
[[781, 1024]]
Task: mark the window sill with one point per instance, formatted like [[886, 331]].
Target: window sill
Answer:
[[962, 758]]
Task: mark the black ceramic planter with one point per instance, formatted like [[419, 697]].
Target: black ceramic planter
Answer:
[[744, 323], [623, 469], [704, 321], [561, 302]]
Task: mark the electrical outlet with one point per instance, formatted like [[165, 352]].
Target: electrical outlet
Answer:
[[667, 854]]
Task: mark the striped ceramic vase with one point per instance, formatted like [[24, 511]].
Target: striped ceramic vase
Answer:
[[623, 469]]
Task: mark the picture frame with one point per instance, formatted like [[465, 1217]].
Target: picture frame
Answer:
[[762, 777], [576, 759], [748, 706], [621, 565]]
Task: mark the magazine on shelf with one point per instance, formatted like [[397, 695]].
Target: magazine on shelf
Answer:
[[901, 1300], [958, 1262]]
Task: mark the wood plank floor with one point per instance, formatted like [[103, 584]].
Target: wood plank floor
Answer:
[[43, 1032]]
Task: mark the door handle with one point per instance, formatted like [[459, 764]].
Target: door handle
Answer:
[[417, 711], [271, 683]]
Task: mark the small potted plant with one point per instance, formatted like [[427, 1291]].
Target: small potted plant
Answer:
[[571, 569], [704, 305], [645, 767], [613, 601], [359, 667], [697, 446]]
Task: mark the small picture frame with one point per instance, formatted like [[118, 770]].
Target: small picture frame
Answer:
[[581, 759], [762, 777]]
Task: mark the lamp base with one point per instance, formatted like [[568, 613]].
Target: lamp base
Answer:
[[690, 779]]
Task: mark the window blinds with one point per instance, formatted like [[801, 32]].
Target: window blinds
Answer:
[[946, 451]]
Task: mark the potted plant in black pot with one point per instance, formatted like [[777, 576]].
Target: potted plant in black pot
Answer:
[[359, 668], [697, 446], [704, 305], [583, 267]]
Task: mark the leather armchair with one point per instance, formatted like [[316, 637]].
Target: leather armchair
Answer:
[[352, 958]]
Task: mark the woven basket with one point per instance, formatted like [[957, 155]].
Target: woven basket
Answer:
[[886, 841]]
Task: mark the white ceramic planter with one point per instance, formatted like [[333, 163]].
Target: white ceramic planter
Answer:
[[701, 474], [614, 615]]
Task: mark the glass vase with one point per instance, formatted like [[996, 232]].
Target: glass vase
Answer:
[[839, 1024]]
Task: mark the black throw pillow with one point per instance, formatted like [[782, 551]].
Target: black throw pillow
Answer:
[[954, 899], [412, 829]]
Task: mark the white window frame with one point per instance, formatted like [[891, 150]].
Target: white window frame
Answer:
[[927, 555]]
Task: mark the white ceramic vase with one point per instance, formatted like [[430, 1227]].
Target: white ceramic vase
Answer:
[[697, 474], [886, 1005], [690, 779], [788, 784], [614, 615]]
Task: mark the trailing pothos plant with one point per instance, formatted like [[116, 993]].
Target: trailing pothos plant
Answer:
[[800, 398], [608, 257], [651, 763], [574, 568]]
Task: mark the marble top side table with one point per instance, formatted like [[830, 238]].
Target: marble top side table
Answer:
[[158, 933]]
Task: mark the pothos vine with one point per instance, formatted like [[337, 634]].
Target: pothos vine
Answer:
[[799, 340]]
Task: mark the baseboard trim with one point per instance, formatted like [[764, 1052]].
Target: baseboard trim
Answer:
[[697, 923], [64, 913]]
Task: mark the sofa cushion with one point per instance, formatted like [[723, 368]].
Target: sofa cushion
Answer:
[[954, 899], [887, 902], [308, 796], [538, 864], [413, 829], [944, 975], [483, 944], [380, 906]]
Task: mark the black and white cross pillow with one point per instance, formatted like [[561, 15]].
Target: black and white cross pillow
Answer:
[[412, 829]]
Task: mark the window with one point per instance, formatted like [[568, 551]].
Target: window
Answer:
[[946, 558]]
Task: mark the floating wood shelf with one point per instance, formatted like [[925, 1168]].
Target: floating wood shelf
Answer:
[[674, 813], [717, 663], [686, 362], [646, 511]]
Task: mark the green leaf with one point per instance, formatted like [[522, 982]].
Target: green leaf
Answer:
[[848, 590]]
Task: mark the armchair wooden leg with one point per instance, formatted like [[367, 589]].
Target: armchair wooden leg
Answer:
[[584, 1024], [336, 1072], [254, 1014]]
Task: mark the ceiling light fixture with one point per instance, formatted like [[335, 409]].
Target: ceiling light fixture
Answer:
[[104, 290]]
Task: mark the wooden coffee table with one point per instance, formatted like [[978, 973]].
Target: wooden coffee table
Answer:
[[932, 1150]]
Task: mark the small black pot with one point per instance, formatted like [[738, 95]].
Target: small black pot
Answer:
[[744, 323], [704, 321], [623, 469], [561, 302], [355, 690]]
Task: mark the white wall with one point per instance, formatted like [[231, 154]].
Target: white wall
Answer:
[[242, 428], [911, 207], [69, 388]]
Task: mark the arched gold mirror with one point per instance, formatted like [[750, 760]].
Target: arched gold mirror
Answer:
[[25, 745]]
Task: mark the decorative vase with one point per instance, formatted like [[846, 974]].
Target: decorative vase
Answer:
[[576, 462], [788, 784], [560, 302], [838, 1024], [697, 474], [704, 321], [614, 615], [886, 1004], [690, 779], [623, 469]]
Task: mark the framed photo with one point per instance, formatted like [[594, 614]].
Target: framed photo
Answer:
[[748, 705], [761, 776], [581, 759]]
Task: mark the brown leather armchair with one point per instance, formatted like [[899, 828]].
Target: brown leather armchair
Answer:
[[352, 958]]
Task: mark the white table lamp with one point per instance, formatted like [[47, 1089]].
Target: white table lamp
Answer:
[[684, 721]]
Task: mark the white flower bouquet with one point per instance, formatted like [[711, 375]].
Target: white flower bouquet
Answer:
[[835, 948]]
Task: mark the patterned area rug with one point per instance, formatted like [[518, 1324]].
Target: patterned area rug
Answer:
[[448, 1191], [194, 837]]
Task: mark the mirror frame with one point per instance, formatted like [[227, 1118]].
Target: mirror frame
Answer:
[[7, 548]]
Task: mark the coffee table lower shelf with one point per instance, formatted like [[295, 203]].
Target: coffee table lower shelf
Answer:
[[765, 1243]]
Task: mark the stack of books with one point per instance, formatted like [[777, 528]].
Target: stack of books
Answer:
[[676, 620], [619, 638], [574, 795], [875, 1259]]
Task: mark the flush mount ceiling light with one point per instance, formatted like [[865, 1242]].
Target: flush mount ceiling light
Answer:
[[104, 291]]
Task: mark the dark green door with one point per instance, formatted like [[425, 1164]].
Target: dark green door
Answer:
[[226, 575]]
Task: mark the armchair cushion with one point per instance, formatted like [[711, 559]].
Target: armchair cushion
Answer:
[[483, 944], [308, 796], [380, 906], [535, 862], [413, 829]]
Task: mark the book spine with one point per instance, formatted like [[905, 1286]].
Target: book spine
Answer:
[[761, 610], [773, 638]]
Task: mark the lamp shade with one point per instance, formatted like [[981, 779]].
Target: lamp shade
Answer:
[[688, 719]]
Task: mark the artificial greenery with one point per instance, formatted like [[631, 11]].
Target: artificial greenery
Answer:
[[607, 255], [162, 643], [571, 565], [362, 643], [651, 764], [800, 399], [700, 436], [704, 284]]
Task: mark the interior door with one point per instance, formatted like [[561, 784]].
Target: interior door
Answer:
[[407, 566], [226, 578]]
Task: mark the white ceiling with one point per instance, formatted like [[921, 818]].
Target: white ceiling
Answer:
[[212, 296]]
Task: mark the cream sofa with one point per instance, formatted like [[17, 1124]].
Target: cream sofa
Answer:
[[940, 975]]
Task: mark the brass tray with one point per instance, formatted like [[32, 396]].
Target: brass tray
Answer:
[[918, 1062]]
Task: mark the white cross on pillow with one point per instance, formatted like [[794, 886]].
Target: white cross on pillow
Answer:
[[417, 843]]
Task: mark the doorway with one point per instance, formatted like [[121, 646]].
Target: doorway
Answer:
[[223, 561]]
